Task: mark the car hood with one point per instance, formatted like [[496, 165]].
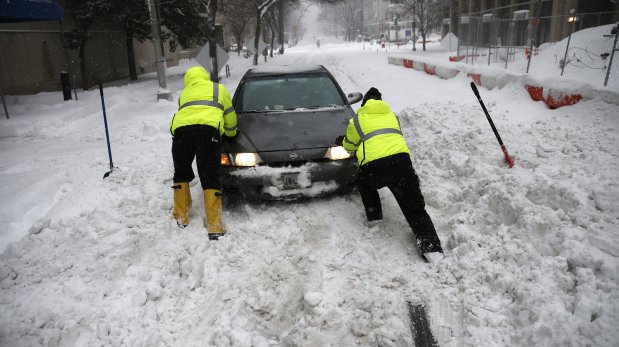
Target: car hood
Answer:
[[289, 130]]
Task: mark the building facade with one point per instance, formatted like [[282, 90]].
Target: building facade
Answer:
[[33, 55], [491, 20]]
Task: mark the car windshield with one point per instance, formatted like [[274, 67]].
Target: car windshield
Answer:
[[289, 93]]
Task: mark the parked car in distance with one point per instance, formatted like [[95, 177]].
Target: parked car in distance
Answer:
[[289, 118]]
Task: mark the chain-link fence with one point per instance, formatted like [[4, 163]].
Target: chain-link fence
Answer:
[[579, 46]]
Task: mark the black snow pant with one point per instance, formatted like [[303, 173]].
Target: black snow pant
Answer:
[[204, 143], [396, 172]]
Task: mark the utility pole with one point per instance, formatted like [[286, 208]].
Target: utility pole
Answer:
[[163, 92], [414, 27], [612, 56]]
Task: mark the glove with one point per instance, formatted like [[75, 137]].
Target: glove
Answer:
[[339, 140], [230, 138]]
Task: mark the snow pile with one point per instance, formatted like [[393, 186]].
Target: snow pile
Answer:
[[533, 248], [587, 60]]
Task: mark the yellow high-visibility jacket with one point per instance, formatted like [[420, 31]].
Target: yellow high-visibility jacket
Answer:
[[204, 102], [374, 133]]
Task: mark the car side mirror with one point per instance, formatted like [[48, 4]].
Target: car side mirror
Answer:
[[354, 98]]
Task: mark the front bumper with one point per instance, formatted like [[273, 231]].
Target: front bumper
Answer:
[[263, 183]]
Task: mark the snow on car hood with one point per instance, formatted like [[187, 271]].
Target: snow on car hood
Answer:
[[289, 130]]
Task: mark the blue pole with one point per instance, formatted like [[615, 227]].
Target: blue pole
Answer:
[[107, 136]]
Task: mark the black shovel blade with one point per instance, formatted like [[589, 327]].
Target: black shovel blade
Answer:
[[420, 326]]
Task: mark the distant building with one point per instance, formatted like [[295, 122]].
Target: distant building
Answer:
[[553, 18], [458, 17]]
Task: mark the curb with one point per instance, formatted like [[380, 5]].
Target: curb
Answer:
[[552, 96]]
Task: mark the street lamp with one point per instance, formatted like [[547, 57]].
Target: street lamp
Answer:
[[572, 20]]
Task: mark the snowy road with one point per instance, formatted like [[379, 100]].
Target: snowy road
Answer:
[[532, 251]]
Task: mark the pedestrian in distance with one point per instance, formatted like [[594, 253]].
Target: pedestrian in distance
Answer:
[[374, 134], [204, 115], [317, 43]]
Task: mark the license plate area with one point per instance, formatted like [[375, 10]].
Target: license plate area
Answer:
[[290, 180]]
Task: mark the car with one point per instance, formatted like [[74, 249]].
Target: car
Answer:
[[289, 120]]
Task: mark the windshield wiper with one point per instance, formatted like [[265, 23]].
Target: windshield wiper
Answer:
[[304, 108]]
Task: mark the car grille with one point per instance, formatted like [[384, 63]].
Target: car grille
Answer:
[[296, 163]]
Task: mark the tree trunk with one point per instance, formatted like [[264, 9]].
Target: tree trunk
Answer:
[[272, 35], [133, 75], [82, 56], [257, 37], [423, 36], [280, 21]]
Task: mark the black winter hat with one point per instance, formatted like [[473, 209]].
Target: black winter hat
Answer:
[[373, 93]]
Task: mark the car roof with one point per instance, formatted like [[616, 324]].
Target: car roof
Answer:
[[284, 70]]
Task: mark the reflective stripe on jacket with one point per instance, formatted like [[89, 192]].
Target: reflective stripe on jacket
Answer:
[[374, 133], [204, 102]]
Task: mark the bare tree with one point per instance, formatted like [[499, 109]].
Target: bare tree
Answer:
[[329, 19], [260, 8], [280, 25], [272, 20], [239, 16], [346, 11], [277, 16], [426, 14], [274, 17], [296, 17]]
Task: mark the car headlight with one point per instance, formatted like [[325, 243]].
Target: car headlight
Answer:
[[337, 153], [240, 159]]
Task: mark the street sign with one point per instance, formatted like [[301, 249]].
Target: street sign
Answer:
[[204, 58]]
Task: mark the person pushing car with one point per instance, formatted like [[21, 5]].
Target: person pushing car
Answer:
[[375, 135], [205, 113]]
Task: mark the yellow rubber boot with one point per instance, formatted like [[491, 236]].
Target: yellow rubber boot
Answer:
[[182, 203], [212, 205]]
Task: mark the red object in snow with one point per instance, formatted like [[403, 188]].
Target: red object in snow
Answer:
[[536, 93], [408, 63], [429, 69], [555, 99], [475, 77], [527, 52]]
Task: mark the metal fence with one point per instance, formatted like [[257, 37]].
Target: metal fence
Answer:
[[579, 46]]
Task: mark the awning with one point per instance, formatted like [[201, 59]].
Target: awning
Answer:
[[29, 10]]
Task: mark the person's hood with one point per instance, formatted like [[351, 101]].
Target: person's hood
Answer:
[[375, 107], [196, 74]]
